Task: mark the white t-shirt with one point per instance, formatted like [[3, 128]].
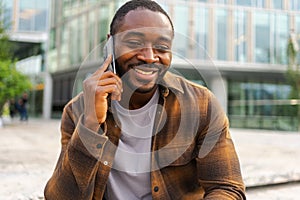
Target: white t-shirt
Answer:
[[130, 175]]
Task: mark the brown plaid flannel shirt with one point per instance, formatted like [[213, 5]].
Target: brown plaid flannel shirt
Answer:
[[193, 156]]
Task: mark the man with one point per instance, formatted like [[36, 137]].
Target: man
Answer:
[[144, 133]]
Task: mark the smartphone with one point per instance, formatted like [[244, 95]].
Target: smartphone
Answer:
[[107, 50]]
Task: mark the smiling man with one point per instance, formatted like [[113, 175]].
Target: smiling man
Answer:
[[144, 133]]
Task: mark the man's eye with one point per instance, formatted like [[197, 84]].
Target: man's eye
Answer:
[[134, 44], [161, 47]]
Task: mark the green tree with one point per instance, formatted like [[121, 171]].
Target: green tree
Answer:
[[12, 82], [293, 72]]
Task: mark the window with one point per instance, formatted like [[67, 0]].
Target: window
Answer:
[[295, 4], [258, 3], [297, 31], [262, 37], [263, 105], [222, 1], [240, 42], [279, 38], [221, 34], [277, 4], [33, 15], [201, 29], [243, 2], [181, 24], [251, 3]]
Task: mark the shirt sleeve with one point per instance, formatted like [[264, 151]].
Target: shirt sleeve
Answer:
[[218, 164], [76, 169]]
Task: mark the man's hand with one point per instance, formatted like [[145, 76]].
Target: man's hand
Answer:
[[96, 90]]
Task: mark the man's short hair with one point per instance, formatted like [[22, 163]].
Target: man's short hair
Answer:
[[134, 5]]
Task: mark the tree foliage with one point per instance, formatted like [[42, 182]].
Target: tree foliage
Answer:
[[12, 82], [293, 72]]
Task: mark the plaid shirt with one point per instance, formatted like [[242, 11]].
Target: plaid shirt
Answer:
[[193, 156]]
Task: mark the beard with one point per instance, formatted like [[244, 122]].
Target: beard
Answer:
[[139, 84]]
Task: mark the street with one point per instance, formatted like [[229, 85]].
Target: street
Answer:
[[29, 152]]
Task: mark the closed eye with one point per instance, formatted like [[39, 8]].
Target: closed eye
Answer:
[[161, 47], [134, 44]]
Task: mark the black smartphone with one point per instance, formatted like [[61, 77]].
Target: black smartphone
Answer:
[[109, 49]]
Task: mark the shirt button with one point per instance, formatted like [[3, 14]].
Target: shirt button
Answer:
[[156, 188], [105, 163], [99, 146]]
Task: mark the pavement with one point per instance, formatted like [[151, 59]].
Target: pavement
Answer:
[[269, 160]]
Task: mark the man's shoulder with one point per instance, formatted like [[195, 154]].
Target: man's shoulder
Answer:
[[183, 84], [76, 103]]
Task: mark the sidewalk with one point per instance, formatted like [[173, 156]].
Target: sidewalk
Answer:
[[30, 151], [268, 157]]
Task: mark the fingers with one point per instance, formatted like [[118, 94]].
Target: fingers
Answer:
[[104, 67], [111, 81], [112, 89]]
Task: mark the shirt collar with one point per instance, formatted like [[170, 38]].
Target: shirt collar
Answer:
[[171, 81]]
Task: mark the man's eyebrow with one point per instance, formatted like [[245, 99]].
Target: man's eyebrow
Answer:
[[141, 34], [164, 39], [134, 33]]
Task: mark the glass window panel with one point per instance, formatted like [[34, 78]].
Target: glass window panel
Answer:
[[295, 4], [259, 105], [252, 3], [91, 30], [201, 29], [103, 23], [221, 34], [243, 2], [65, 38], [52, 39], [222, 1], [75, 44], [279, 35], [180, 21], [262, 35], [258, 3], [33, 15], [297, 19], [240, 42], [7, 13], [277, 4]]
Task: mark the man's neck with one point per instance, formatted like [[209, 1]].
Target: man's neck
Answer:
[[134, 100]]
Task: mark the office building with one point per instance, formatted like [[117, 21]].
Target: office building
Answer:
[[237, 48], [26, 22]]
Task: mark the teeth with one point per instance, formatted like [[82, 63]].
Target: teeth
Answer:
[[143, 72]]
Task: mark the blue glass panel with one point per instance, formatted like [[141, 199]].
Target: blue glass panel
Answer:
[[221, 34], [277, 4], [240, 42], [243, 2], [262, 37], [201, 29]]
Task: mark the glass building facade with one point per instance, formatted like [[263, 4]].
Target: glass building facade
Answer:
[[26, 15], [26, 22], [243, 42]]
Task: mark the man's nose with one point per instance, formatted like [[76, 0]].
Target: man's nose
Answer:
[[148, 54]]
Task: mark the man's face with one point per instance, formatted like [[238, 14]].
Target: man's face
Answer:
[[143, 49]]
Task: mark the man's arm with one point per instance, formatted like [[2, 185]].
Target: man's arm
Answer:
[[218, 165], [82, 148], [76, 169]]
